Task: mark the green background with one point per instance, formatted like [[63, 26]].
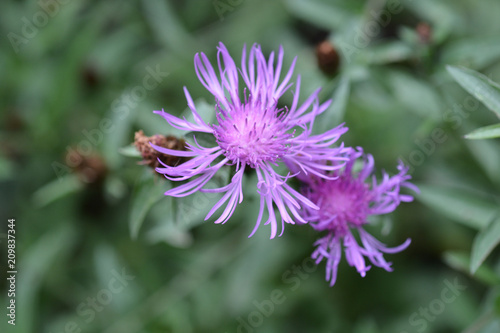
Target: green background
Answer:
[[68, 74]]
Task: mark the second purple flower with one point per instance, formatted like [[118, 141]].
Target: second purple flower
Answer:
[[346, 203]]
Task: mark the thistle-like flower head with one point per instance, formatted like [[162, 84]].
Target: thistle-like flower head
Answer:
[[252, 132], [345, 203]]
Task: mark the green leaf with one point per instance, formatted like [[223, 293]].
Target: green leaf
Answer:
[[460, 205], [148, 190], [496, 306], [485, 153], [6, 168], [38, 260], [130, 151], [484, 243], [384, 53], [328, 16], [166, 27], [480, 86], [487, 132], [335, 113], [415, 94], [122, 124], [171, 234], [460, 261], [56, 190], [476, 52]]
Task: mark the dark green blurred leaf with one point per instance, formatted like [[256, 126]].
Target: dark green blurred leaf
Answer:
[[184, 283], [57, 189], [6, 168], [415, 94], [366, 326], [171, 234], [478, 85], [385, 53], [166, 26], [106, 261], [459, 205], [108, 53], [461, 262], [328, 16], [115, 188], [475, 52], [121, 115], [335, 113], [61, 99], [484, 243], [497, 305], [148, 190], [36, 263], [487, 132]]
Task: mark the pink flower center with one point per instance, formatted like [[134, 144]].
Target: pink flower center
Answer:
[[342, 201], [251, 135]]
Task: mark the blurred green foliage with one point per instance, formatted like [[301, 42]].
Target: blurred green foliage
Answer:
[[100, 249]]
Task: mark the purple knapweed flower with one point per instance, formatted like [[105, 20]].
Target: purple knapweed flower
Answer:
[[345, 203], [252, 132]]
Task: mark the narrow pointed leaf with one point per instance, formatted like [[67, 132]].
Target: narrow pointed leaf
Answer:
[[479, 85], [485, 152], [487, 132], [56, 190], [460, 261], [467, 208], [484, 243]]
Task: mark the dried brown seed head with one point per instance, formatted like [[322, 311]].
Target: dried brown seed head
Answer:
[[90, 169], [328, 58], [150, 155], [424, 32]]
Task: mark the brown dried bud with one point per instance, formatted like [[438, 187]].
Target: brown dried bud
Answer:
[[328, 58], [150, 155], [424, 32], [90, 169], [90, 75]]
